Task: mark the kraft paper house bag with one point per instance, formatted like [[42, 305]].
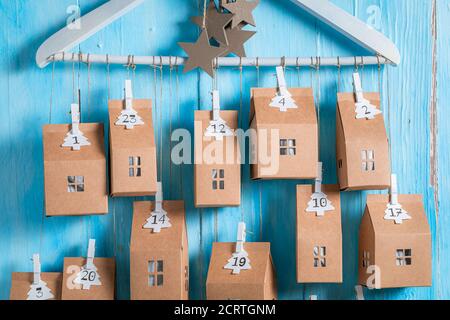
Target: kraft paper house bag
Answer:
[[217, 166], [22, 282], [132, 149], [75, 180], [89, 278], [256, 282], [395, 245], [285, 141], [159, 258], [319, 235], [362, 147]]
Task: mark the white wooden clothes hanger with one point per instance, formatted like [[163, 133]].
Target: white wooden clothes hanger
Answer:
[[340, 20]]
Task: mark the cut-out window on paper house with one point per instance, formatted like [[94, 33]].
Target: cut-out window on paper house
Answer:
[[156, 273], [320, 257], [288, 147], [368, 160], [366, 259], [135, 169], [218, 179], [75, 184], [403, 257]]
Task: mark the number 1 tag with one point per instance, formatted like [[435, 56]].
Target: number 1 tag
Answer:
[[75, 139]]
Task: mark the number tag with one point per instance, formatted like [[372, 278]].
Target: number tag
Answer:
[[319, 204], [88, 277], [366, 110], [283, 101], [40, 292], [239, 261], [218, 129], [129, 118], [396, 213], [157, 221], [75, 140]]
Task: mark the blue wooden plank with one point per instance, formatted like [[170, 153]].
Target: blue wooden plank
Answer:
[[283, 30]]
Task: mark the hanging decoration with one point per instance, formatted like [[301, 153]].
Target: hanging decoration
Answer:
[[218, 127], [394, 210], [129, 116], [159, 218], [239, 260], [75, 139], [319, 200], [38, 289], [88, 276], [221, 34], [283, 100], [364, 108]]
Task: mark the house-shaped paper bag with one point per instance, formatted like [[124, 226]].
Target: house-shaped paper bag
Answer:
[[394, 253], [75, 169], [319, 235], [284, 142], [132, 147], [256, 283], [362, 146], [89, 278], [159, 261], [217, 166], [36, 285]]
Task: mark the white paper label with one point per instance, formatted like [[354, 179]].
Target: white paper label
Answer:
[[396, 213], [366, 110], [319, 204], [283, 101], [88, 277], [218, 129], [129, 118], [75, 140], [40, 292], [157, 221], [239, 261]]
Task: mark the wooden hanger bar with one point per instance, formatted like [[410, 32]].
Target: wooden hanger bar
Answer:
[[352, 28], [222, 62]]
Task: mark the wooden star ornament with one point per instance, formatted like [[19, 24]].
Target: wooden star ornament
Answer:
[[216, 22], [201, 54], [242, 10], [236, 39]]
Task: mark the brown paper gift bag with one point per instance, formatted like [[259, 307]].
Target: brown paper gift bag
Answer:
[[217, 166], [319, 239], [106, 268], [132, 152], [21, 282], [258, 283], [75, 181], [286, 143], [159, 262], [399, 253], [362, 147]]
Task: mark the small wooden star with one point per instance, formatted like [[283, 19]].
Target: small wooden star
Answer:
[[215, 23], [201, 54], [237, 38], [242, 10]]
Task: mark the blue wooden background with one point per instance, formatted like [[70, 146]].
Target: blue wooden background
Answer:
[[415, 97]]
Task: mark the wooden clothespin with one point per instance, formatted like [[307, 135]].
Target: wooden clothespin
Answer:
[[217, 128], [359, 292], [128, 95], [312, 297], [282, 84], [75, 139], [357, 85], [216, 105], [91, 254], [36, 269], [240, 237], [318, 181], [75, 113], [159, 198], [393, 193], [283, 100]]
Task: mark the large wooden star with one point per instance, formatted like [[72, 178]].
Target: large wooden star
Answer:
[[201, 54], [236, 39], [215, 23], [242, 10]]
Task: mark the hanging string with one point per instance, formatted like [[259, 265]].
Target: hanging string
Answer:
[[241, 104], [204, 14], [388, 89], [298, 73], [161, 76], [108, 77], [74, 92], [170, 118], [88, 106], [51, 92], [257, 72], [339, 74], [379, 74], [177, 93]]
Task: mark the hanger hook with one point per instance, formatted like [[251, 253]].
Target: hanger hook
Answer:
[[283, 62], [88, 59], [318, 62], [356, 65], [133, 64], [362, 61], [161, 62], [338, 63]]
